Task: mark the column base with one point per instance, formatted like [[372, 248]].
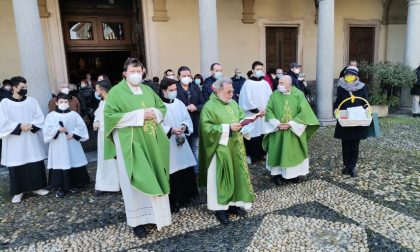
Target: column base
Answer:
[[327, 122]]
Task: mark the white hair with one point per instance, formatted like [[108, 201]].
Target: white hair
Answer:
[[218, 85]]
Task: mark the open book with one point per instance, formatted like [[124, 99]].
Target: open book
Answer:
[[250, 119]]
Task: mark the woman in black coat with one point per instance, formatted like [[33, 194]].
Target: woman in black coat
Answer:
[[350, 136]]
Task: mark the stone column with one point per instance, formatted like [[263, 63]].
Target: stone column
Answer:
[[209, 51], [31, 49], [412, 45], [325, 62]]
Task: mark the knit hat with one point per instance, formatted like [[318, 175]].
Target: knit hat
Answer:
[[352, 70]]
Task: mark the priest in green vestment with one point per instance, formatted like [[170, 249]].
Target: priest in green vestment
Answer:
[[133, 135], [294, 123], [222, 156]]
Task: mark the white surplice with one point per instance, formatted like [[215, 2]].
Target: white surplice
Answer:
[[301, 169], [212, 203], [140, 208], [65, 154], [27, 147], [255, 95], [107, 177], [181, 157]]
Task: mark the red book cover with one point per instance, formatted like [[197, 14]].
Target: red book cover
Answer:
[[250, 119]]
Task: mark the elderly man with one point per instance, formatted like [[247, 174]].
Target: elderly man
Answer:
[[73, 102], [222, 158], [295, 123]]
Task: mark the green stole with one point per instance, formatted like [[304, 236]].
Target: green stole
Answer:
[[233, 182], [145, 149], [284, 148]]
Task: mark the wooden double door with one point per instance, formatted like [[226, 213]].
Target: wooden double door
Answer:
[[281, 46]]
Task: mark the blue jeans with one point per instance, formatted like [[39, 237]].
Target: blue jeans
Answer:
[[193, 142]]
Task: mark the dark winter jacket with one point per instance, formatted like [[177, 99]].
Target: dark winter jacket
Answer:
[[416, 89], [237, 85], [207, 89], [192, 96]]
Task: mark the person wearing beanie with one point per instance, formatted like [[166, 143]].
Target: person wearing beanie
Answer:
[[350, 136]]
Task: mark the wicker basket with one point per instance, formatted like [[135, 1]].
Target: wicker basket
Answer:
[[343, 115]]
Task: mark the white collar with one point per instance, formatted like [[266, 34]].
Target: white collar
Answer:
[[136, 90]]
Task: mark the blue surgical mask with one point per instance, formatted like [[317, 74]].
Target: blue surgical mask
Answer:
[[97, 96], [218, 75], [171, 95], [259, 73], [279, 76], [197, 81]]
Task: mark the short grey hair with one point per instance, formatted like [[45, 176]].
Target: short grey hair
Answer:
[[218, 85]]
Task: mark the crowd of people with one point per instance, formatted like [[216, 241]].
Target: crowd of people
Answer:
[[158, 139]]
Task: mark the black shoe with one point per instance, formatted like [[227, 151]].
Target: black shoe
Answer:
[[98, 193], [222, 217], [175, 208], [140, 231], [296, 180], [75, 190], [278, 179], [59, 194], [346, 171], [237, 211], [353, 172]]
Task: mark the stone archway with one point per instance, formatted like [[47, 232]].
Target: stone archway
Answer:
[[395, 12]]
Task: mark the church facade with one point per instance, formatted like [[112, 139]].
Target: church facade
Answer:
[[54, 41]]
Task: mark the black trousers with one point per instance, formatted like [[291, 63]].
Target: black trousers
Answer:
[[254, 147], [350, 153]]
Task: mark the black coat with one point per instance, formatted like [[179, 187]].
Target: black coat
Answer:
[[192, 96], [416, 89], [5, 94], [297, 83], [237, 85], [206, 89], [350, 133]]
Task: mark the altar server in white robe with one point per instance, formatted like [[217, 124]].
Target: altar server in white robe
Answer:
[[64, 130], [178, 125], [23, 151], [107, 178], [253, 99]]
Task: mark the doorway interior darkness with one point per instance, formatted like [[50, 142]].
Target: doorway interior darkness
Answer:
[[99, 35]]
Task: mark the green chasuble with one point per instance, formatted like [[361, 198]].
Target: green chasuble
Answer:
[[233, 182], [285, 148], [146, 148]]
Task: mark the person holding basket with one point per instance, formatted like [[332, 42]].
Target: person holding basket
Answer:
[[350, 86]]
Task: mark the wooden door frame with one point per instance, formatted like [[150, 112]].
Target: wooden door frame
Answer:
[[263, 23], [349, 23]]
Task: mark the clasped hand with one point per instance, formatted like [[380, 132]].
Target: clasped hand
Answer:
[[26, 127], [149, 114]]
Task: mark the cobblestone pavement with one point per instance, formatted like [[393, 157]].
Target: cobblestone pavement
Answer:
[[377, 211]]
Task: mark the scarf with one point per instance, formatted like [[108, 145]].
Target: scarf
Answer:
[[351, 87]]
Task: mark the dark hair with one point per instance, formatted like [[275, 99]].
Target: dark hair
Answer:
[[198, 76], [256, 63], [61, 96], [249, 74], [132, 62], [166, 82], [6, 82], [104, 84], [105, 77], [183, 68], [271, 70], [14, 81], [213, 65], [156, 79], [167, 71]]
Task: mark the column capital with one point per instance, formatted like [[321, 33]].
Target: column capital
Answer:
[[413, 2], [160, 12], [248, 13]]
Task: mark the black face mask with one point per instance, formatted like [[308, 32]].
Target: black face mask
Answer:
[[23, 92]]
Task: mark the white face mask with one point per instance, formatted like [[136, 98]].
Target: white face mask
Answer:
[[65, 90], [63, 106], [186, 80], [259, 73], [296, 71], [7, 88], [279, 76], [134, 79], [281, 88], [218, 75], [171, 77], [83, 85], [171, 95]]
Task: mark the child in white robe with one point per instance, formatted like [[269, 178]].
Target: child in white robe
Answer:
[[63, 130], [107, 178]]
